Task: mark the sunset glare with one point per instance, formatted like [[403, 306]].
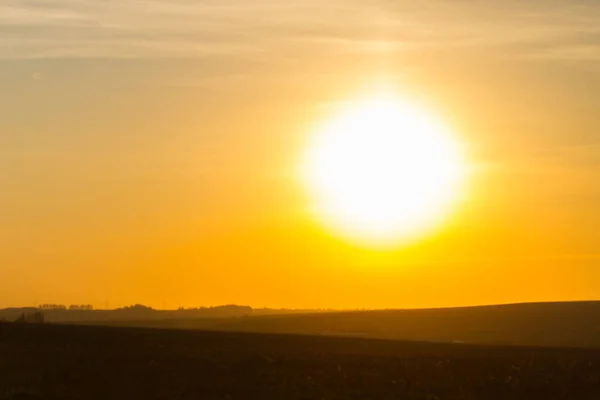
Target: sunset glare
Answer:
[[384, 171]]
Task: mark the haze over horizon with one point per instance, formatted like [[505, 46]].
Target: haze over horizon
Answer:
[[149, 151]]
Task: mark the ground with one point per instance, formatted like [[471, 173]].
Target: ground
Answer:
[[93, 362]]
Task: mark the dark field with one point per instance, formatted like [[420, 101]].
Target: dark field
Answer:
[[88, 362]]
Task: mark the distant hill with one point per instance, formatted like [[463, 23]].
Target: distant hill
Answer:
[[546, 324], [138, 312]]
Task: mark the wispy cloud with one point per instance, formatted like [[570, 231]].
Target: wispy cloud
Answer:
[[184, 28]]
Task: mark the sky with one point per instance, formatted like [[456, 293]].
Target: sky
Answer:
[[148, 150]]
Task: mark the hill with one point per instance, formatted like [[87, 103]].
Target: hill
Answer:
[[545, 324], [138, 312]]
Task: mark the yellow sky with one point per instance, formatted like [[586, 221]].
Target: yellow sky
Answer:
[[148, 150]]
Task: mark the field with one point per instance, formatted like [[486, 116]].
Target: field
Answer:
[[93, 362]]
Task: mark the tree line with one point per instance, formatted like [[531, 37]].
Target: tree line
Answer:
[[86, 307]]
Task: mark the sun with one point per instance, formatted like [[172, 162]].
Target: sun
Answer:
[[383, 170]]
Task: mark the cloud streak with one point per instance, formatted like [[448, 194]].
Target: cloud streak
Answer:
[[559, 29]]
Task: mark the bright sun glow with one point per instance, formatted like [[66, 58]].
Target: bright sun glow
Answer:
[[384, 171]]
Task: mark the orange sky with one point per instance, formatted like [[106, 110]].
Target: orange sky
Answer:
[[147, 151]]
